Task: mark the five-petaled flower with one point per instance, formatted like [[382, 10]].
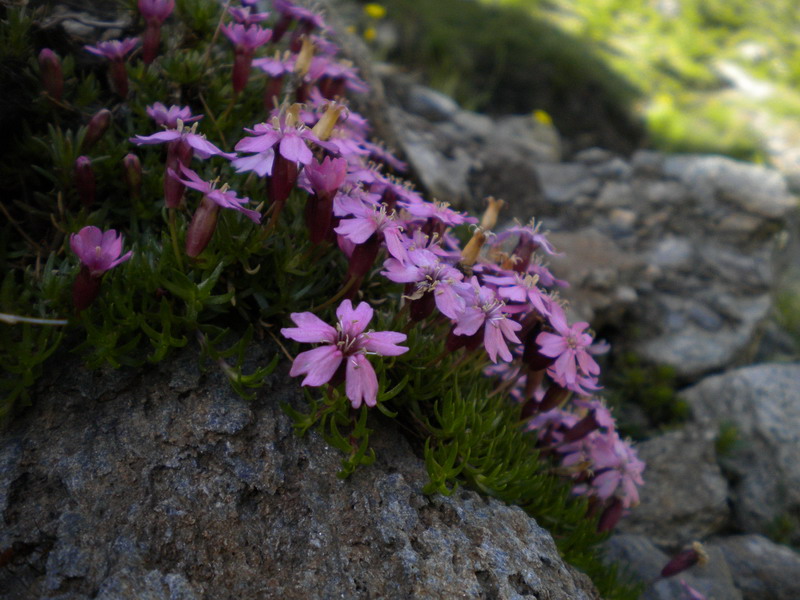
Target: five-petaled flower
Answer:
[[569, 346], [98, 252], [116, 51], [344, 350]]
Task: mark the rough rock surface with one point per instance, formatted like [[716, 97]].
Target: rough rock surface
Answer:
[[645, 561], [675, 508], [165, 484], [763, 403], [761, 569]]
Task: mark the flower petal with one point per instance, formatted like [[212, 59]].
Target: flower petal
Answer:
[[294, 149], [354, 320], [310, 329], [361, 382], [384, 342], [318, 365]]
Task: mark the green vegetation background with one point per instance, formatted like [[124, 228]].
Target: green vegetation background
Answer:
[[657, 61]]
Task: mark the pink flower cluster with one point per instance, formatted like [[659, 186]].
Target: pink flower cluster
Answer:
[[504, 304]]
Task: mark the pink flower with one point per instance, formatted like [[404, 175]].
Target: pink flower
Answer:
[[168, 117], [521, 288], [430, 277], [285, 134], [114, 50], [156, 11], [569, 346], [187, 136], [245, 16], [485, 309], [347, 343], [222, 197], [619, 470], [366, 220], [246, 39], [98, 251]]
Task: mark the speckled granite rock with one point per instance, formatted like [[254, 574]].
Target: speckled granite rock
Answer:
[[686, 495], [763, 403], [645, 561], [163, 484]]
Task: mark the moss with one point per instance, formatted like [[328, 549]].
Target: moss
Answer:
[[647, 389]]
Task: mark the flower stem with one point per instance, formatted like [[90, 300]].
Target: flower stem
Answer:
[[339, 294], [173, 233]]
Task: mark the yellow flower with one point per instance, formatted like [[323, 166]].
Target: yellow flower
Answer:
[[542, 117], [375, 10], [370, 33]]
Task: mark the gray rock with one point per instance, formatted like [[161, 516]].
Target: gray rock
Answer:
[[676, 509], [763, 403], [762, 570], [563, 182], [431, 104], [127, 490], [752, 188], [645, 561], [693, 348]]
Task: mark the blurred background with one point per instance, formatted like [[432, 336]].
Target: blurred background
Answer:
[[717, 76]]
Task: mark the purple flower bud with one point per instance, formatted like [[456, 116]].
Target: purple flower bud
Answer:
[[202, 227], [52, 76], [611, 516], [685, 559], [325, 180], [97, 126], [554, 396], [156, 11], [84, 180], [133, 174], [116, 51]]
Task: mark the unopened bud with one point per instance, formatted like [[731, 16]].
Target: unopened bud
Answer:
[[582, 428], [97, 126], [611, 516], [303, 62], [84, 180], [52, 75], [202, 227], [469, 255], [553, 397], [685, 559], [133, 174], [489, 219]]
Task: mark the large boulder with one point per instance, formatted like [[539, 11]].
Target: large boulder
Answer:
[[761, 569], [676, 509], [762, 404], [162, 483], [643, 561]]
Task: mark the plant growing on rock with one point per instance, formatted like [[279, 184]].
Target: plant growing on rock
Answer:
[[491, 378]]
